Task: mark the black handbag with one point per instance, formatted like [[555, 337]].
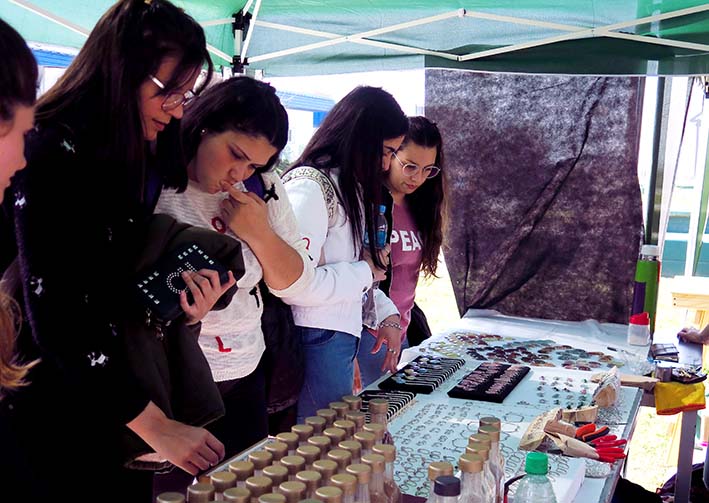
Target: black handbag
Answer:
[[159, 287]]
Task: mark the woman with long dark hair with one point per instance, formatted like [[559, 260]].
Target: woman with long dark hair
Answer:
[[233, 135], [18, 88], [415, 182], [335, 190], [106, 141]]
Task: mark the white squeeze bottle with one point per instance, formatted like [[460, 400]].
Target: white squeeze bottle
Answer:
[[535, 487]]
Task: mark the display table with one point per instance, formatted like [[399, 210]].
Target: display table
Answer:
[[436, 427]]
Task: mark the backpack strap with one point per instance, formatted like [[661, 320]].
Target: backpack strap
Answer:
[[326, 186]]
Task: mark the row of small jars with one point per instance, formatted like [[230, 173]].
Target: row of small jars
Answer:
[[325, 481], [482, 467], [328, 444]]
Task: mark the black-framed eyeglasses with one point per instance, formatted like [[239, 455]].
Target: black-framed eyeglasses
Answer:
[[410, 169], [173, 100]]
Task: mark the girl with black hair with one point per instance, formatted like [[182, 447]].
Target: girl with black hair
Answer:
[[415, 182], [106, 141], [233, 135], [335, 190]]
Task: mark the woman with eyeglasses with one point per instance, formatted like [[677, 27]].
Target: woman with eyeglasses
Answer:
[[335, 190], [416, 185], [106, 142], [233, 135]]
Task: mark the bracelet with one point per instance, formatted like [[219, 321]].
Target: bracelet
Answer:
[[392, 324]]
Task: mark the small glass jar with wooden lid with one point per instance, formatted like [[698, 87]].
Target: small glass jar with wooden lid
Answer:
[[347, 425], [312, 480], [277, 449], [277, 473], [258, 485], [200, 493], [336, 435], [294, 491], [243, 470], [260, 459], [237, 495], [328, 415], [318, 423], [329, 494], [304, 432], [294, 464], [290, 439], [310, 453], [341, 408], [348, 484]]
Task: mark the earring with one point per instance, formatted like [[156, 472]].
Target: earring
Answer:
[[203, 132]]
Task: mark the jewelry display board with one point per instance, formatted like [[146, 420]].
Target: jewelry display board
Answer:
[[436, 427], [442, 424]]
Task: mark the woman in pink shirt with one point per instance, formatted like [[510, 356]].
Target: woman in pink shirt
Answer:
[[415, 181]]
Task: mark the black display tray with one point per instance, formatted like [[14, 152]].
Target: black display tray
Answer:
[[423, 374], [490, 382]]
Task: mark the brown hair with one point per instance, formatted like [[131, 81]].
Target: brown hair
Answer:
[[100, 88], [428, 203], [12, 372], [18, 81], [18, 73]]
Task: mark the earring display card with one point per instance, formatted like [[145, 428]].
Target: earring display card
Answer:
[[423, 374], [398, 400], [490, 382]]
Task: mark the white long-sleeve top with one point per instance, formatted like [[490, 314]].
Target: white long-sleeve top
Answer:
[[231, 339], [333, 299]]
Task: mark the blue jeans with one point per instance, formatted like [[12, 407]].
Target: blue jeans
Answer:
[[370, 365], [329, 368]]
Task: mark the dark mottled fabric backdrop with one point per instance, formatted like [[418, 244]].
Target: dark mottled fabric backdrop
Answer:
[[546, 209]]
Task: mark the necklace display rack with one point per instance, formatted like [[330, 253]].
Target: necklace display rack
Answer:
[[423, 374]]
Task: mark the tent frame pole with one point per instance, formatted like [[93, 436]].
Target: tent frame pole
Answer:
[[657, 173], [50, 16], [361, 38], [575, 32]]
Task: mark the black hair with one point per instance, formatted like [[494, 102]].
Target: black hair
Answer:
[[351, 139], [239, 104], [427, 203], [18, 73], [99, 92]]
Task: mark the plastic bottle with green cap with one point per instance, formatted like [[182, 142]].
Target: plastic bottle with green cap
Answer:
[[535, 487]]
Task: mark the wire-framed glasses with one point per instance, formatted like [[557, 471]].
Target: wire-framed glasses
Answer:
[[410, 169], [173, 100]]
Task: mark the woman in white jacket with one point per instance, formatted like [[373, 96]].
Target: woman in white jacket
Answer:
[[335, 190], [235, 131]]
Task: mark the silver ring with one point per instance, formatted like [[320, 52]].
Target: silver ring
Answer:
[[391, 350]]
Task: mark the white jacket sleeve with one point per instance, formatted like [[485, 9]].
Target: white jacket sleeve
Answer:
[[385, 306], [282, 220], [334, 282]]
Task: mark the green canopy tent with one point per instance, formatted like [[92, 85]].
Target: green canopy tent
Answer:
[[301, 37]]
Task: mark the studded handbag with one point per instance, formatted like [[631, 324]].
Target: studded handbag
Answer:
[[159, 286]]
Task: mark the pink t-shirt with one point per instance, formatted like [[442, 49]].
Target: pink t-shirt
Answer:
[[406, 257]]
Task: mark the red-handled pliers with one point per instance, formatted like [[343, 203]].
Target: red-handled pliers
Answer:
[[589, 432], [610, 454], [608, 441]]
